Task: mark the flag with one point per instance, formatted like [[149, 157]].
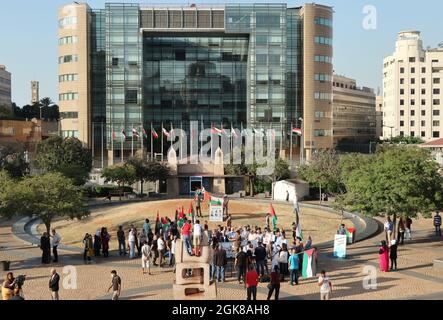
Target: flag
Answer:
[[181, 218], [233, 133], [309, 264], [274, 216], [206, 196], [164, 221], [297, 131], [165, 132], [298, 232], [135, 133], [191, 210], [215, 130], [123, 134], [145, 135], [113, 134], [154, 133]]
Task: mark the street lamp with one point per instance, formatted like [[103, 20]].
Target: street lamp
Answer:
[[384, 126], [301, 141]]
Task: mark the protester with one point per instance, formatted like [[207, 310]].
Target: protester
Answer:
[[161, 246], [401, 231], [131, 241], [136, 243], [437, 224], [197, 237], [97, 243], [384, 257], [220, 261], [185, 233], [55, 243], [198, 203], [172, 250], [293, 267], [408, 231], [388, 227], [283, 261], [251, 283], [147, 227], [121, 241], [393, 255], [116, 285], [260, 256], [229, 222], [45, 246], [274, 285], [240, 264], [105, 237], [342, 230], [146, 257], [8, 286], [88, 248], [325, 286], [54, 284]]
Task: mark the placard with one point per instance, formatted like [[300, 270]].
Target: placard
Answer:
[[340, 246], [216, 209]]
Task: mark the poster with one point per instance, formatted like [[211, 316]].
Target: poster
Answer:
[[230, 254], [340, 246], [216, 209]]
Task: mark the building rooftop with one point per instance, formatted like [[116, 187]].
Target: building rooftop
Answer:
[[433, 144]]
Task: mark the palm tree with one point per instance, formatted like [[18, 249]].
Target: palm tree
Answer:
[[45, 103]]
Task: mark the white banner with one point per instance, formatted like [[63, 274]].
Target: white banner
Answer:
[[340, 246], [216, 209]]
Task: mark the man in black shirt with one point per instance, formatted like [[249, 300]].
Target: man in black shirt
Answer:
[[54, 284], [260, 256], [240, 264], [116, 285], [121, 241]]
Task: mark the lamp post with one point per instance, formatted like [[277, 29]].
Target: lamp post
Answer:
[[302, 142], [384, 126]]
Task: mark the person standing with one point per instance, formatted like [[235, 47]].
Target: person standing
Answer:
[[274, 285], [408, 225], [185, 232], [8, 286], [147, 227], [389, 227], [45, 246], [121, 241], [198, 205], [220, 261], [161, 250], [131, 240], [97, 243], [105, 242], [146, 257], [54, 284], [55, 243], [296, 206], [401, 231], [197, 237], [116, 285], [240, 264], [437, 224], [287, 196], [172, 250], [251, 281], [283, 261], [260, 256], [384, 257], [88, 248], [225, 206], [293, 267], [325, 286], [393, 255]]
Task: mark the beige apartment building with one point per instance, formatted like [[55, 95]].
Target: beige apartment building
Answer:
[[412, 89], [5, 87], [354, 115]]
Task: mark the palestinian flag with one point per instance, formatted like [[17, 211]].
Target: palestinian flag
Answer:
[[309, 269], [181, 218], [123, 133], [114, 136], [274, 217], [206, 196], [165, 132], [216, 201], [350, 232], [297, 131], [145, 135], [215, 130], [154, 133]]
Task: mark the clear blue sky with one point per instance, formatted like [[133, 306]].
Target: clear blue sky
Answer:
[[28, 37]]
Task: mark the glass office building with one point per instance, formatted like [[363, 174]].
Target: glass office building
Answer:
[[232, 65]]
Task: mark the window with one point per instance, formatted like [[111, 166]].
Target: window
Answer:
[[412, 134], [423, 80], [402, 70], [262, 59], [323, 22], [322, 77], [423, 134], [423, 91], [319, 114], [436, 134], [436, 102], [274, 59], [402, 91], [423, 113], [319, 133], [423, 70], [436, 80], [69, 115], [436, 91], [67, 21], [412, 70], [402, 113], [412, 59], [412, 113], [323, 40], [67, 59], [261, 39], [131, 96], [402, 134], [322, 96], [68, 96], [412, 80], [402, 123], [412, 123], [402, 102], [114, 62], [325, 59], [423, 123], [436, 112], [412, 91], [68, 77], [402, 81], [412, 102], [436, 123], [69, 134], [68, 40], [423, 102]]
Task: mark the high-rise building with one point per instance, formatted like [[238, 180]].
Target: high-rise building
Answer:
[[35, 92], [354, 116], [412, 89], [129, 65], [5, 87]]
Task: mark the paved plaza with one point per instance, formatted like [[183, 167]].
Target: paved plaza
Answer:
[[415, 279]]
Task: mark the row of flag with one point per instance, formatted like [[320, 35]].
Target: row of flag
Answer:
[[214, 131]]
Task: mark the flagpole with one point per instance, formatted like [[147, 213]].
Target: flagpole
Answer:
[[143, 139], [172, 129], [281, 136], [93, 144], [162, 141], [152, 142], [302, 142], [290, 155], [201, 140], [112, 142], [103, 148], [181, 140], [122, 151]]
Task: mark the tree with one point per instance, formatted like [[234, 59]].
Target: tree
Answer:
[[67, 156], [323, 171], [6, 112], [151, 171], [399, 180], [13, 162], [47, 196], [122, 174], [49, 109], [406, 140]]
